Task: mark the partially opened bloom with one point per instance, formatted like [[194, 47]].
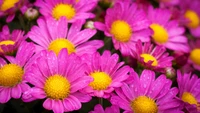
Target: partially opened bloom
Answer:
[[99, 109], [55, 35], [71, 9], [189, 91], [10, 7], [107, 73], [9, 42], [194, 58], [167, 33], [126, 24], [12, 74], [147, 94], [155, 58], [57, 79]]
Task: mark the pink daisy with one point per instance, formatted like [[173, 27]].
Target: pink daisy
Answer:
[[10, 7], [126, 24], [155, 58], [9, 42], [167, 32], [194, 58], [54, 35], [189, 91], [57, 79], [99, 109], [190, 16], [147, 95], [12, 75], [71, 9], [107, 73]]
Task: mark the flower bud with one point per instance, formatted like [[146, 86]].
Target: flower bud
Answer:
[[89, 24], [170, 73], [31, 13]]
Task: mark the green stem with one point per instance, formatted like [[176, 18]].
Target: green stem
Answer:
[[101, 101]]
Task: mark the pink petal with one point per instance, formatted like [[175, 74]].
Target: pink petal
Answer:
[[71, 103], [16, 92], [82, 97], [57, 106], [5, 95], [48, 104]]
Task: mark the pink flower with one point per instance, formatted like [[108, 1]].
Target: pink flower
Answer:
[[194, 58], [71, 9], [147, 95], [9, 8], [55, 35], [57, 79], [155, 58], [189, 91], [9, 42], [167, 32], [126, 24], [13, 74], [107, 73]]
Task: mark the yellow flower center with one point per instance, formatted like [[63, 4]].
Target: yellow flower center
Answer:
[[193, 18], [121, 30], [143, 104], [148, 57], [160, 33], [189, 98], [10, 75], [57, 87], [60, 43], [7, 4], [194, 56], [66, 10], [101, 81], [7, 42]]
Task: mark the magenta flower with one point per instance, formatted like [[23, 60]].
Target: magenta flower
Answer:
[[99, 109], [194, 58], [190, 16], [54, 35], [107, 73], [12, 75], [147, 95], [9, 8], [167, 32], [58, 79], [155, 58], [126, 24], [9, 42], [71, 9], [189, 91]]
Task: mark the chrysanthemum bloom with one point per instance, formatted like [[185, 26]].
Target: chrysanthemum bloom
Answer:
[[194, 58], [126, 24], [99, 109], [155, 58], [54, 35], [107, 73], [9, 42], [12, 75], [189, 91], [167, 32], [147, 95], [57, 79], [190, 16], [10, 7], [71, 9]]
